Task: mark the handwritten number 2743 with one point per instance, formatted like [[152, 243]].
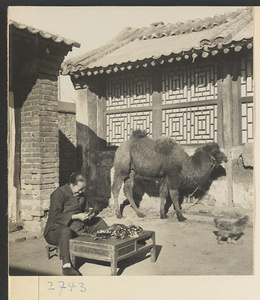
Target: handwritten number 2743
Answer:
[[71, 285]]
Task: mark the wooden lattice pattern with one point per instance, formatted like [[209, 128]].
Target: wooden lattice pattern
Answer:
[[121, 125], [130, 90], [189, 83], [191, 125], [247, 122], [247, 83], [182, 85], [117, 93]]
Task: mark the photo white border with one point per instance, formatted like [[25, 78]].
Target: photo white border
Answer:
[[165, 287]]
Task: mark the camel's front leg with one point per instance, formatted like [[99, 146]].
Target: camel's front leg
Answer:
[[118, 180], [129, 185], [175, 199], [173, 183]]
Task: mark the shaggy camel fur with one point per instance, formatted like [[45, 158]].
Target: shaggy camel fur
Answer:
[[162, 158], [152, 187]]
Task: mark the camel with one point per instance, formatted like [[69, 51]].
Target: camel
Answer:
[[162, 158]]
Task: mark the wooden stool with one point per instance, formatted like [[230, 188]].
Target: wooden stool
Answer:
[[50, 248]]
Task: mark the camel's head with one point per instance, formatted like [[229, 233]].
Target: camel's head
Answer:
[[214, 150]]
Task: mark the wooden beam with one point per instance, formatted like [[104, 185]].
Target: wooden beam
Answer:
[[131, 109], [190, 104]]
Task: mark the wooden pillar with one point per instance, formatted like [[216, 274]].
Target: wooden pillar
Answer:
[[226, 117], [12, 190], [101, 111], [157, 103], [236, 95]]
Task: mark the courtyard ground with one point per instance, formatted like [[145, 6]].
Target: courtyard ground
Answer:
[[183, 248]]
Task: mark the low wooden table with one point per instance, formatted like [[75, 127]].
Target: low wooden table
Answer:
[[112, 249]]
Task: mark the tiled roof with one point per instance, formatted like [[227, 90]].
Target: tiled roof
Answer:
[[159, 43], [46, 35]]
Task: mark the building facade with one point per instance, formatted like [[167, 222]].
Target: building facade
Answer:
[[192, 81]]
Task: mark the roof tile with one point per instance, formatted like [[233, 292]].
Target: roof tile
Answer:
[[44, 34], [159, 40]]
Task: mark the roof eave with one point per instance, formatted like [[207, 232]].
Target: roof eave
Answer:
[[43, 34], [204, 52]]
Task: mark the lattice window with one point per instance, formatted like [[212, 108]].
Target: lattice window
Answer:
[[141, 93], [121, 125], [118, 94], [247, 122], [129, 91], [247, 83], [189, 83], [190, 125]]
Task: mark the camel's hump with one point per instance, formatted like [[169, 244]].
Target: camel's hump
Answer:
[[138, 133]]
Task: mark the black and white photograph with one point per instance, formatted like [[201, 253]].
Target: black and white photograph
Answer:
[[130, 141]]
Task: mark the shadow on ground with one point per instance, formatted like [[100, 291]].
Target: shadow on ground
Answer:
[[123, 264]]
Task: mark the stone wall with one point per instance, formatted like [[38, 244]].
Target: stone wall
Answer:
[[67, 141]]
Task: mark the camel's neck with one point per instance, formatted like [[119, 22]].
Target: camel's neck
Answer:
[[197, 168]]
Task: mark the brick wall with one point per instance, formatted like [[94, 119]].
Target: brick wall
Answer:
[[39, 150], [36, 91], [67, 140]]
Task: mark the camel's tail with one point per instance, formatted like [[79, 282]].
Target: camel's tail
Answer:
[[138, 133]]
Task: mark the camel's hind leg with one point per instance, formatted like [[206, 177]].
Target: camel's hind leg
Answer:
[[129, 185], [116, 186], [168, 204], [163, 197]]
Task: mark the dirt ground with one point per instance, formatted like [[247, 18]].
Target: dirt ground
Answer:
[[183, 248]]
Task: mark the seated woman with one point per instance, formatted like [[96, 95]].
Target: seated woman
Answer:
[[69, 218]]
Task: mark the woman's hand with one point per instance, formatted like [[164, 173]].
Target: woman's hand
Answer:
[[81, 216], [91, 213]]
